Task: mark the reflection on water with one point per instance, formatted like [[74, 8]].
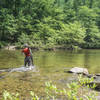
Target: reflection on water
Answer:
[[51, 66], [61, 59]]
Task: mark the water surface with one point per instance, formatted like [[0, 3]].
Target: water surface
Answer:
[[50, 65]]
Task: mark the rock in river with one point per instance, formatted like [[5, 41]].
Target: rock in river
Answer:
[[97, 82], [79, 70]]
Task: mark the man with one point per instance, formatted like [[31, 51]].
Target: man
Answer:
[[28, 55]]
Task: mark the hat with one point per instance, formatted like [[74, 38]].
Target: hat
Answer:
[[26, 45]]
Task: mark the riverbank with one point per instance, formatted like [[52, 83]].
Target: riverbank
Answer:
[[48, 47], [53, 48]]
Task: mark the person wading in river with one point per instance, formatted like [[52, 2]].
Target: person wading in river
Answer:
[[28, 55]]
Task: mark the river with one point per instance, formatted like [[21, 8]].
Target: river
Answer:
[[50, 66]]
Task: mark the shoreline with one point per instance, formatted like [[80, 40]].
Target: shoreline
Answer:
[[47, 48]]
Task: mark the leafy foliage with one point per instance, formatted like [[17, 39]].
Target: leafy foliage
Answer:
[[51, 23]]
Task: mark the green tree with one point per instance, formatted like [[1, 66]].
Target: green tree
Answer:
[[72, 33], [8, 26]]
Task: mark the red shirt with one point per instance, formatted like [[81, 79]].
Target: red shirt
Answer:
[[26, 51]]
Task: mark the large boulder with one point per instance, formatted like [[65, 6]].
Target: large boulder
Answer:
[[79, 70]]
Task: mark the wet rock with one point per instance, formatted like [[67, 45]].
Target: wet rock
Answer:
[[97, 74], [79, 70], [96, 82], [72, 78], [91, 75]]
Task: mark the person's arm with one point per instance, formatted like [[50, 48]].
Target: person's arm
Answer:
[[30, 51]]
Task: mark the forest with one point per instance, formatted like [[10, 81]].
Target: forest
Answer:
[[50, 23]]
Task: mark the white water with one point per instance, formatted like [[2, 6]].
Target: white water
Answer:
[[23, 69], [20, 69]]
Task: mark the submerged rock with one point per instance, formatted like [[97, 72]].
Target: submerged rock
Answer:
[[22, 69], [79, 70], [19, 69]]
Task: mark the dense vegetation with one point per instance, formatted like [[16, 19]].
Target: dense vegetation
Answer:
[[50, 23]]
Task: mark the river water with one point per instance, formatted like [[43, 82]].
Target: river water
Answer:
[[50, 66]]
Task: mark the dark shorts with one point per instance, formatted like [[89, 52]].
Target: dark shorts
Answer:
[[27, 61]]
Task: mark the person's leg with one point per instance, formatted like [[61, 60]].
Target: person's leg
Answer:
[[32, 60], [25, 61], [29, 61]]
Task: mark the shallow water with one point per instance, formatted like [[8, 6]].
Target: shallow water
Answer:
[[50, 65]]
